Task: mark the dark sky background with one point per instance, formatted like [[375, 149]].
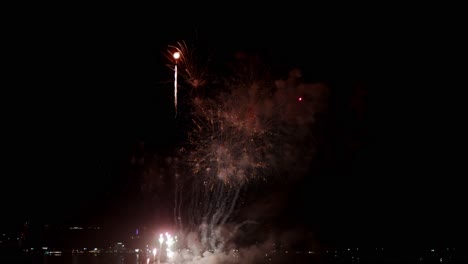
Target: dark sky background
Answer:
[[80, 94]]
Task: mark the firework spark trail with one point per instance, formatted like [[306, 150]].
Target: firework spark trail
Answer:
[[178, 202], [231, 207], [179, 210], [221, 205], [208, 207], [175, 89]]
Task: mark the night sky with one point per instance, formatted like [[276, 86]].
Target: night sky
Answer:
[[82, 96]]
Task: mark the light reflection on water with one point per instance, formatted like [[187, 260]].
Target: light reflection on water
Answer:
[[90, 259]]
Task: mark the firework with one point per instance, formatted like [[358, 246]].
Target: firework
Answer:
[[192, 69], [250, 132]]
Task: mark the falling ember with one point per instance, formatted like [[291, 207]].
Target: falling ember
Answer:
[[299, 99]]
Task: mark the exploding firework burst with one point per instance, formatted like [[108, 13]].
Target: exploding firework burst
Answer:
[[230, 141]]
